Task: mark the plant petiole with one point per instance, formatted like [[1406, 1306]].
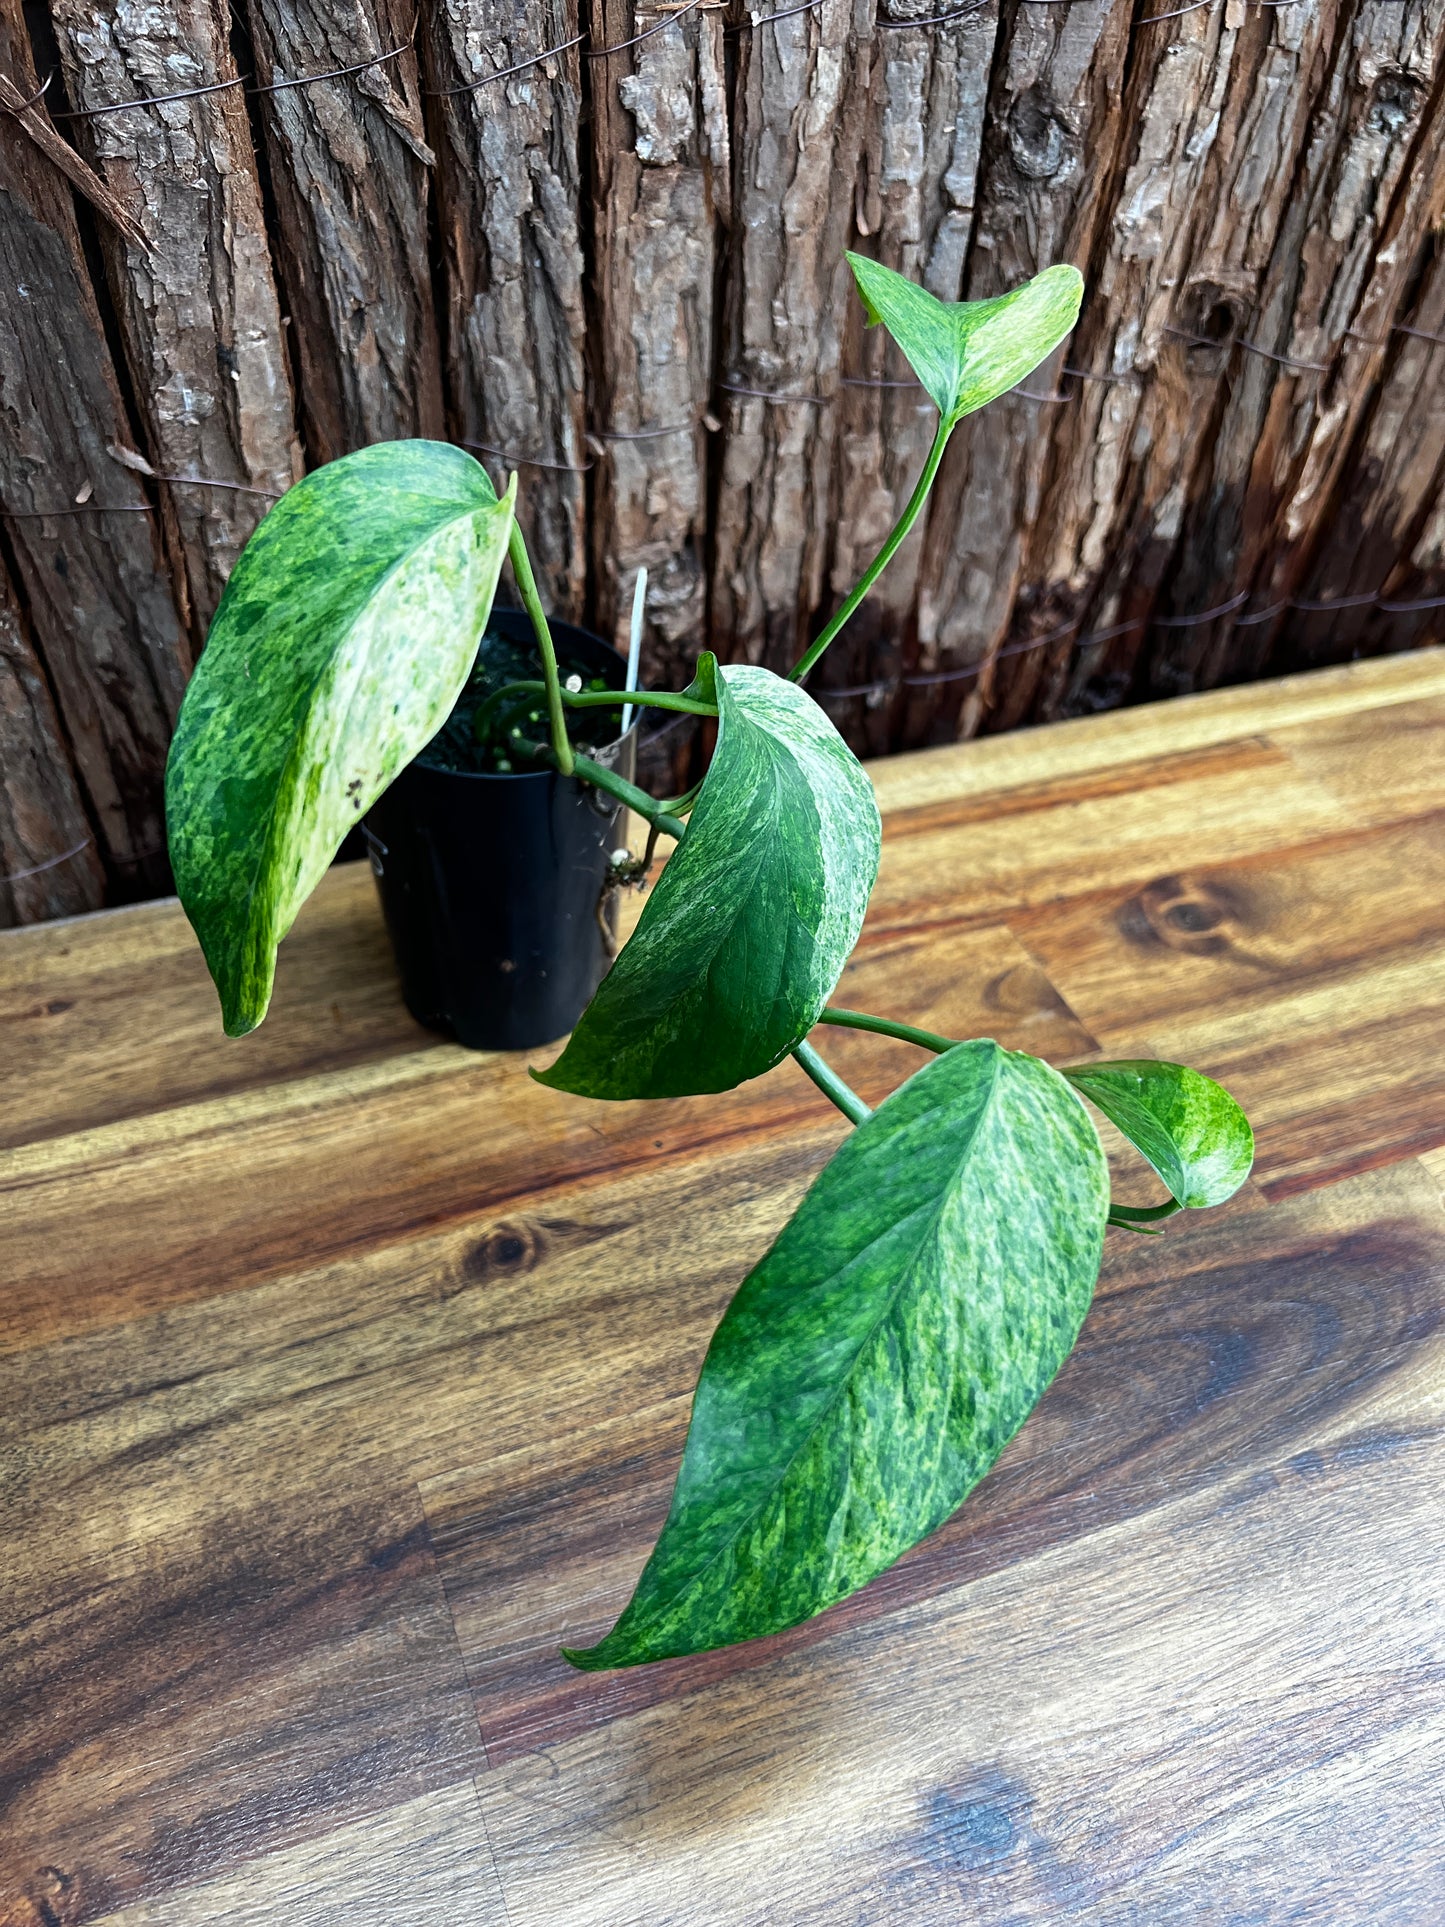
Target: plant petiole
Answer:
[[885, 555], [831, 1085], [885, 1027], [604, 698], [532, 603], [586, 771]]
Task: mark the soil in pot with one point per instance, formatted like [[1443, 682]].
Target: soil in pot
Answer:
[[493, 873]]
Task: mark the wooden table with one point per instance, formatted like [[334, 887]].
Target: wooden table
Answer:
[[344, 1374]]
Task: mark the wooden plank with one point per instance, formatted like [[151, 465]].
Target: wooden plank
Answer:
[[1156, 730], [539, 1546], [218, 1672], [102, 617], [334, 1394], [82, 1009], [802, 91], [379, 1153], [1099, 1716], [349, 169], [48, 865], [508, 212], [433, 1849], [197, 305]]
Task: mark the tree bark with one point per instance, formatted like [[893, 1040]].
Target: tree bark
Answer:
[[509, 218], [1369, 162], [197, 306], [803, 90], [349, 168], [48, 863], [1053, 134], [660, 148], [80, 529], [919, 174]]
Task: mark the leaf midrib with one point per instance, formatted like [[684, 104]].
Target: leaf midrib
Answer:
[[934, 1215]]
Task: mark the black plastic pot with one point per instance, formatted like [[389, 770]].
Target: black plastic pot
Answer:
[[492, 886]]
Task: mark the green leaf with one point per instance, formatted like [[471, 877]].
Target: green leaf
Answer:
[[344, 637], [1187, 1126], [875, 1364], [967, 353], [755, 914]]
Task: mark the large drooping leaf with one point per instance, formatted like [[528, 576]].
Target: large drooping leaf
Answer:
[[755, 914], [875, 1364], [967, 353], [1187, 1126], [345, 635]]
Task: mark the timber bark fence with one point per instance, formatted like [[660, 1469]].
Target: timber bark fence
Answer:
[[602, 242]]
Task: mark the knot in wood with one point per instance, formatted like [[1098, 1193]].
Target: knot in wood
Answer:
[[1039, 138]]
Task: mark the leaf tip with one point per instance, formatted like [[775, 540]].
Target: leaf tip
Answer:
[[585, 1658]]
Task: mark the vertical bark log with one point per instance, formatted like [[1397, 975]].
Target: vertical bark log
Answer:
[[1388, 532], [349, 170], [659, 156], [198, 308], [101, 611], [920, 158], [802, 92], [1370, 168], [1054, 129], [48, 864], [1215, 105], [509, 215]]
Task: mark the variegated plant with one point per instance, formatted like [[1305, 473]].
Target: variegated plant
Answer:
[[877, 1360]]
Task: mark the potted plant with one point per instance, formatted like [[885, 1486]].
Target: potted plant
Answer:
[[879, 1357]]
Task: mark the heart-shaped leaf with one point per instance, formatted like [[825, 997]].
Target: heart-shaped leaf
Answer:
[[875, 1364], [755, 914], [1187, 1126], [967, 353], [344, 637]]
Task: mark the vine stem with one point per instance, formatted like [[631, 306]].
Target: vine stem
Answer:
[[612, 698], [831, 1085], [532, 603], [586, 771], [885, 1027], [884, 556]]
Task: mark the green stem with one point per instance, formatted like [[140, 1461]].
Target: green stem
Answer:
[[1132, 1214], [885, 1027], [611, 698], [884, 556], [586, 771], [532, 603], [831, 1085]]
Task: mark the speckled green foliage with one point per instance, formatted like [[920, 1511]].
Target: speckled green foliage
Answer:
[[968, 353], [755, 915], [1187, 1126], [875, 1364], [344, 636]]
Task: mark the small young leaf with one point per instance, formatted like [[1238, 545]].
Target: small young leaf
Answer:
[[1187, 1126], [755, 914], [967, 353], [345, 635], [875, 1364]]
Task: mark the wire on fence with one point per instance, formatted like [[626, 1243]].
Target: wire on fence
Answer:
[[51, 863], [238, 80], [1310, 606]]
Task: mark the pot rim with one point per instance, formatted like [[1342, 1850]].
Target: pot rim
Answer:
[[599, 752]]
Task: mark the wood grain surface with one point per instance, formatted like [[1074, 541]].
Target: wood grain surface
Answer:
[[343, 1375]]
